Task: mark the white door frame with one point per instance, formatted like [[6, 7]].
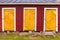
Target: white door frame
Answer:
[[3, 18], [35, 16], [56, 18]]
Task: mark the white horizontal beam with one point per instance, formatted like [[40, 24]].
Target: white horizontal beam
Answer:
[[32, 3]]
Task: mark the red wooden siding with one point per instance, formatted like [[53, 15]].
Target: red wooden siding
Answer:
[[19, 16], [0, 19], [59, 18], [40, 18]]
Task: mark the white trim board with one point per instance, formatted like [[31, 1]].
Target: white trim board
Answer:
[[3, 18], [35, 16], [47, 3], [56, 18]]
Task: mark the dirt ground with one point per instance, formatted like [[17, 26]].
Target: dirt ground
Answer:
[[27, 36]]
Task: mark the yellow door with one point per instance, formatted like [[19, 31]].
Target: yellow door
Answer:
[[50, 19], [29, 19], [9, 19]]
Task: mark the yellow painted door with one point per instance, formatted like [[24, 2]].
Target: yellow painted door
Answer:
[[29, 19], [50, 19], [8, 19]]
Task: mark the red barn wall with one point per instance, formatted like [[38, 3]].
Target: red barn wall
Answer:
[[0, 19], [40, 15], [19, 16]]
